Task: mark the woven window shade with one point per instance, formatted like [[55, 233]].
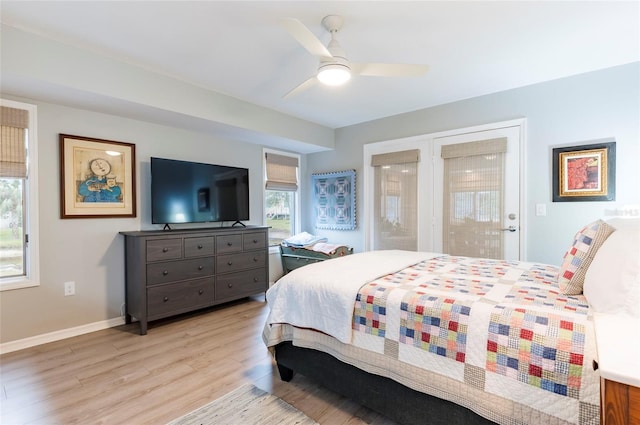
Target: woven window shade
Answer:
[[402, 157], [13, 151], [395, 224], [482, 147], [473, 198], [282, 172]]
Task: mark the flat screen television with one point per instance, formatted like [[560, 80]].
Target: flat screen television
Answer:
[[193, 192]]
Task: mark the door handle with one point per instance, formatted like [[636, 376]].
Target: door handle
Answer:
[[509, 229]]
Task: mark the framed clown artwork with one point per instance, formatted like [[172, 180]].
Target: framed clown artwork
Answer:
[[97, 178]]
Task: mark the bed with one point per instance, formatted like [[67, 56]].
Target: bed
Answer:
[[416, 335]]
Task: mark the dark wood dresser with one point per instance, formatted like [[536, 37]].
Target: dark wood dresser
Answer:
[[177, 271]]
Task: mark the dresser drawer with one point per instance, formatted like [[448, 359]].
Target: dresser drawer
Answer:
[[164, 249], [173, 271], [242, 284], [199, 247], [228, 243], [291, 263], [242, 261], [166, 300], [254, 241]]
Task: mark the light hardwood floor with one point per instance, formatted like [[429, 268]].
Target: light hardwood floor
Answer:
[[116, 376]]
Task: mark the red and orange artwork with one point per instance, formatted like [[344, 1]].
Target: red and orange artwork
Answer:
[[583, 173]]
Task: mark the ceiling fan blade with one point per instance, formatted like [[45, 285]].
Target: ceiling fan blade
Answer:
[[305, 37], [389, 69], [302, 87]]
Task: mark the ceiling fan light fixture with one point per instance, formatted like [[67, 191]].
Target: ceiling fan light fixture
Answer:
[[334, 74]]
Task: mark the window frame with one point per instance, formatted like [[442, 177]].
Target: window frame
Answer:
[[31, 218], [296, 194]]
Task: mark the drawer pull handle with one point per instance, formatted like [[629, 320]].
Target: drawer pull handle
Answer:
[[199, 246], [229, 263], [255, 259], [230, 285], [201, 291], [165, 249], [255, 241], [229, 244], [165, 299], [255, 279], [165, 272], [200, 267]]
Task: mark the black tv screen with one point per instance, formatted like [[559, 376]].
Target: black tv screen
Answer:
[[192, 192]]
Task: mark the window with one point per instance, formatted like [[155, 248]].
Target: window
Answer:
[[473, 198], [18, 201], [395, 211], [281, 196]]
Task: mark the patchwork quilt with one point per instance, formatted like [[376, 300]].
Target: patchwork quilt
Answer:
[[495, 336], [499, 326]]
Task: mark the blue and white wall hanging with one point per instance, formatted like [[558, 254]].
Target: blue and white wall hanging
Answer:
[[335, 200]]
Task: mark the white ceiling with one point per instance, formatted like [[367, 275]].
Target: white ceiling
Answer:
[[240, 49]]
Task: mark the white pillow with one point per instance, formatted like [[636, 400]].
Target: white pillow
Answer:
[[624, 222], [612, 282]]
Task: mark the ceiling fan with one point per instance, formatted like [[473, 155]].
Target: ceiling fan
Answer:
[[335, 68]]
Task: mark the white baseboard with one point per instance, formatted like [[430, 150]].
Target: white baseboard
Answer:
[[32, 341]]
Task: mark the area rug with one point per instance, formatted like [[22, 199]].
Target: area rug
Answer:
[[246, 405]]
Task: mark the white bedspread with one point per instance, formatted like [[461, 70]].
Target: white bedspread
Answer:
[[307, 299]]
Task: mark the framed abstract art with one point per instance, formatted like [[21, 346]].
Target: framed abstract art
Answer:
[[335, 200], [585, 173]]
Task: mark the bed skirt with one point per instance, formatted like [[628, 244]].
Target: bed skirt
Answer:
[[383, 395]]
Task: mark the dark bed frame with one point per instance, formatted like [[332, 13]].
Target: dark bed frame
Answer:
[[386, 396]]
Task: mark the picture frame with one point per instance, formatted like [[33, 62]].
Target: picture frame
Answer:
[[97, 178], [334, 196], [585, 172]]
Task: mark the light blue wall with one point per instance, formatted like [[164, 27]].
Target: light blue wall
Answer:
[[569, 111]]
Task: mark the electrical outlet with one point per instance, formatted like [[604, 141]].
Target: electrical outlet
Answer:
[[69, 288]]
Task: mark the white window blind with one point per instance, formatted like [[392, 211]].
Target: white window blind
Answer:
[[282, 172], [13, 151], [474, 198], [396, 200]]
